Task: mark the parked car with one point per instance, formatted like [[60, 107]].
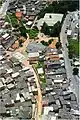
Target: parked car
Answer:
[[65, 31]]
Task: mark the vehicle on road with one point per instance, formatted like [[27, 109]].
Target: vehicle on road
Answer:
[[65, 31], [70, 79], [66, 44], [77, 25]]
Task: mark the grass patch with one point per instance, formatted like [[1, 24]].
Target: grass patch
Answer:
[[43, 80], [41, 76], [12, 18], [73, 47], [32, 33], [40, 64]]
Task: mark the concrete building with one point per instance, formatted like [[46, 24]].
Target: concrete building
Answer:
[[50, 19]]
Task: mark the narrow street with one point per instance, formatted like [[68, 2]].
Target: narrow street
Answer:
[[39, 99], [26, 63]]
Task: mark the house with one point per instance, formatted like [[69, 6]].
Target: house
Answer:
[[5, 36], [1, 23], [17, 97], [69, 32], [47, 109], [2, 80], [31, 18], [61, 56], [52, 57], [29, 23], [18, 14], [2, 110], [35, 47], [2, 50], [9, 70], [1, 57], [9, 102], [2, 71], [14, 75], [6, 40], [29, 74], [33, 56], [59, 71], [18, 56], [58, 81], [9, 80], [10, 86], [1, 86], [76, 63], [24, 9], [51, 65]]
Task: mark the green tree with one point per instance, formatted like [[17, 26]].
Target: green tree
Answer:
[[50, 41], [35, 27], [52, 31], [75, 71], [71, 52], [55, 31], [59, 7], [45, 29], [70, 55], [22, 30], [44, 43], [11, 18], [20, 42], [58, 45]]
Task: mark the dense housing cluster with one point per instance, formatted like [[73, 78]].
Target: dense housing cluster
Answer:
[[6, 38], [32, 7], [17, 89], [39, 67], [58, 100]]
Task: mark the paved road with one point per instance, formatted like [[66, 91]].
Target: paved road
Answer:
[[74, 86], [4, 7], [39, 98]]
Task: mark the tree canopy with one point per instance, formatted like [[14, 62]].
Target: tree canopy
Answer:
[[73, 48], [45, 29], [11, 17], [58, 45], [52, 31], [22, 30], [55, 29], [60, 7], [75, 71]]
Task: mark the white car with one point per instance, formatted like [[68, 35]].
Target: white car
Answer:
[[77, 25]]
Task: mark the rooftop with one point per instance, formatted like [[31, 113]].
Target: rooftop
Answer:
[[35, 47], [50, 19], [35, 54]]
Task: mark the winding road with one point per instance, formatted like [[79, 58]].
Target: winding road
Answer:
[[4, 7], [74, 86]]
